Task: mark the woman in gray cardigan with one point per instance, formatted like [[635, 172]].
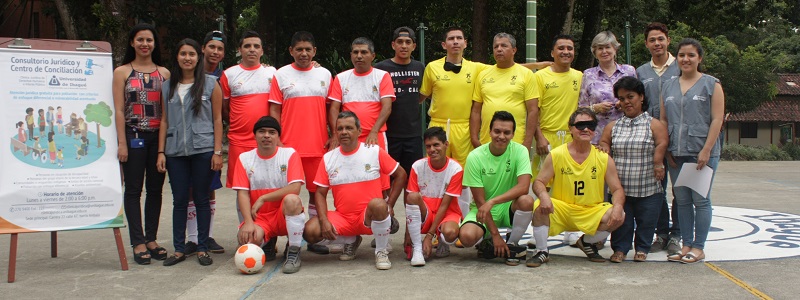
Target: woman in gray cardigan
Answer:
[[190, 144]]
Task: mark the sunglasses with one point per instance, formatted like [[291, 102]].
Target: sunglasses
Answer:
[[583, 125]]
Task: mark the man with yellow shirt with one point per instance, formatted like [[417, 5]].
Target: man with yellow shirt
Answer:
[[558, 87], [578, 172], [505, 86]]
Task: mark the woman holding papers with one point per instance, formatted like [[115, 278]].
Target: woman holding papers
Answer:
[[637, 142], [693, 108]]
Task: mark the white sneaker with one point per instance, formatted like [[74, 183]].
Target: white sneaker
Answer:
[[417, 259], [443, 250], [382, 260]]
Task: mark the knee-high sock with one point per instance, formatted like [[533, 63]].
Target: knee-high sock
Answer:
[[540, 235], [213, 204], [294, 227], [596, 237], [464, 201], [521, 221], [380, 229], [191, 223], [414, 222], [312, 209]]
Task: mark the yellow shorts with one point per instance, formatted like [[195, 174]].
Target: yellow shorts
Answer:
[[556, 138], [458, 136], [574, 217]]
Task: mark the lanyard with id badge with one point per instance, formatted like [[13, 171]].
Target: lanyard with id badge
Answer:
[[136, 142]]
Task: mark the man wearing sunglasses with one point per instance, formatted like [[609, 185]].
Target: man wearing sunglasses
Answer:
[[575, 202]]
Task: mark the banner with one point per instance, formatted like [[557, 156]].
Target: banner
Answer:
[[59, 166]]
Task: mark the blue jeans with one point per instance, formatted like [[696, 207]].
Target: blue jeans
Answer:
[[663, 227], [694, 210], [190, 173], [643, 211]]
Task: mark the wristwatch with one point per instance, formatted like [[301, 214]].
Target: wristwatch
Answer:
[[218, 153]]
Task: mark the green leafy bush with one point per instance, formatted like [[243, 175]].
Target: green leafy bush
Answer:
[[745, 152], [793, 151]]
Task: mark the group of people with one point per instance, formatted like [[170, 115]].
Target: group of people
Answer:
[[592, 146]]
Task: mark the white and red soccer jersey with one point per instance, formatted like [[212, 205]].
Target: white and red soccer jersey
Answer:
[[248, 91], [264, 175], [362, 93], [432, 183], [354, 177], [302, 95]]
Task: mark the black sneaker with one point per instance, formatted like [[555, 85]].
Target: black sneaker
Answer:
[[516, 254], [190, 248], [270, 250], [590, 250], [486, 249], [538, 259], [318, 249], [213, 247]]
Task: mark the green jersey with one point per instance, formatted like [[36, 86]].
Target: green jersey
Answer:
[[496, 174]]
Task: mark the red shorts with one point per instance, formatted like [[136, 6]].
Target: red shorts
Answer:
[[453, 213], [273, 223], [233, 159], [348, 225], [382, 142], [310, 166]]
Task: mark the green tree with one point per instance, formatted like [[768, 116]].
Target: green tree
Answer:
[[99, 113]]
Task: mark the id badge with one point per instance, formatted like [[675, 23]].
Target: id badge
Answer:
[[137, 143]]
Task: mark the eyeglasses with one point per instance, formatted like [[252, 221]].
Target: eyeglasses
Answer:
[[583, 125]]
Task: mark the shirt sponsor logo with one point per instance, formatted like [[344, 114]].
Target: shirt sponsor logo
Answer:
[[699, 98]]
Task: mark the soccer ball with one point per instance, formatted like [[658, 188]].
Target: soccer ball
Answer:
[[250, 259]]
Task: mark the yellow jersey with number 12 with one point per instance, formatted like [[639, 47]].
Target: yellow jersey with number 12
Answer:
[[581, 184]]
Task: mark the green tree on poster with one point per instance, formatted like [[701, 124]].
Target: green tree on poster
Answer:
[[99, 113]]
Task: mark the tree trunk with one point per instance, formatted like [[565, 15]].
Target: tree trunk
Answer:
[[480, 32], [99, 140], [567, 28], [591, 27], [66, 20]]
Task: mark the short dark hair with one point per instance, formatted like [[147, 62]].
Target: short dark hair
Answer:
[[215, 35], [303, 36], [349, 114], [435, 132], [249, 34], [562, 36], [632, 84], [452, 28], [268, 122], [502, 115], [363, 41], [582, 111], [405, 29], [655, 26]]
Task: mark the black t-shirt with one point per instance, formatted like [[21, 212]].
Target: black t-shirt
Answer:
[[404, 122]]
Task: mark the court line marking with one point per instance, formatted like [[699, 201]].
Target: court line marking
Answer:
[[739, 282]]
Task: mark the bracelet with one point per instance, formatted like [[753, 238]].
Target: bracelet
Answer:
[[160, 152], [431, 235], [591, 107], [659, 166]]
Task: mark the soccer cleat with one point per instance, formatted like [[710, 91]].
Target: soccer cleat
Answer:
[[443, 250], [659, 243], [517, 253], [270, 250], [382, 260], [590, 250], [537, 259], [213, 247], [417, 259], [292, 262], [349, 251]]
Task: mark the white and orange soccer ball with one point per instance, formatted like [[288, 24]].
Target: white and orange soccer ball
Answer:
[[250, 259]]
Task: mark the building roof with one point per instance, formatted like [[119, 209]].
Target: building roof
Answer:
[[778, 110], [789, 84]]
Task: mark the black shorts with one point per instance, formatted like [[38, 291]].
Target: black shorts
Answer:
[[405, 151]]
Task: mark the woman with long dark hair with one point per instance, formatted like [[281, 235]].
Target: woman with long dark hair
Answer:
[[137, 102], [692, 107], [190, 144]]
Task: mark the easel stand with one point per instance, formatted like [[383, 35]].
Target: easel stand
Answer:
[[12, 253]]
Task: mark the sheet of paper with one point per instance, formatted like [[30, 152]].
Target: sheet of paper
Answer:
[[697, 180]]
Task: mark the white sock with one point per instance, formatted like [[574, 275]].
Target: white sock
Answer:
[[521, 221], [540, 234], [464, 201], [596, 237], [312, 210], [191, 223], [213, 204], [414, 222], [443, 240], [380, 229], [294, 227]]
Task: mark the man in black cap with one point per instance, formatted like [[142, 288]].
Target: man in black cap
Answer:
[[268, 180]]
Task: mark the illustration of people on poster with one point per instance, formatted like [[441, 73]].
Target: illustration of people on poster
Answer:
[[59, 163]]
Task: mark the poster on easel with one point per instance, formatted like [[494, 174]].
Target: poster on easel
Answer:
[[58, 156]]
